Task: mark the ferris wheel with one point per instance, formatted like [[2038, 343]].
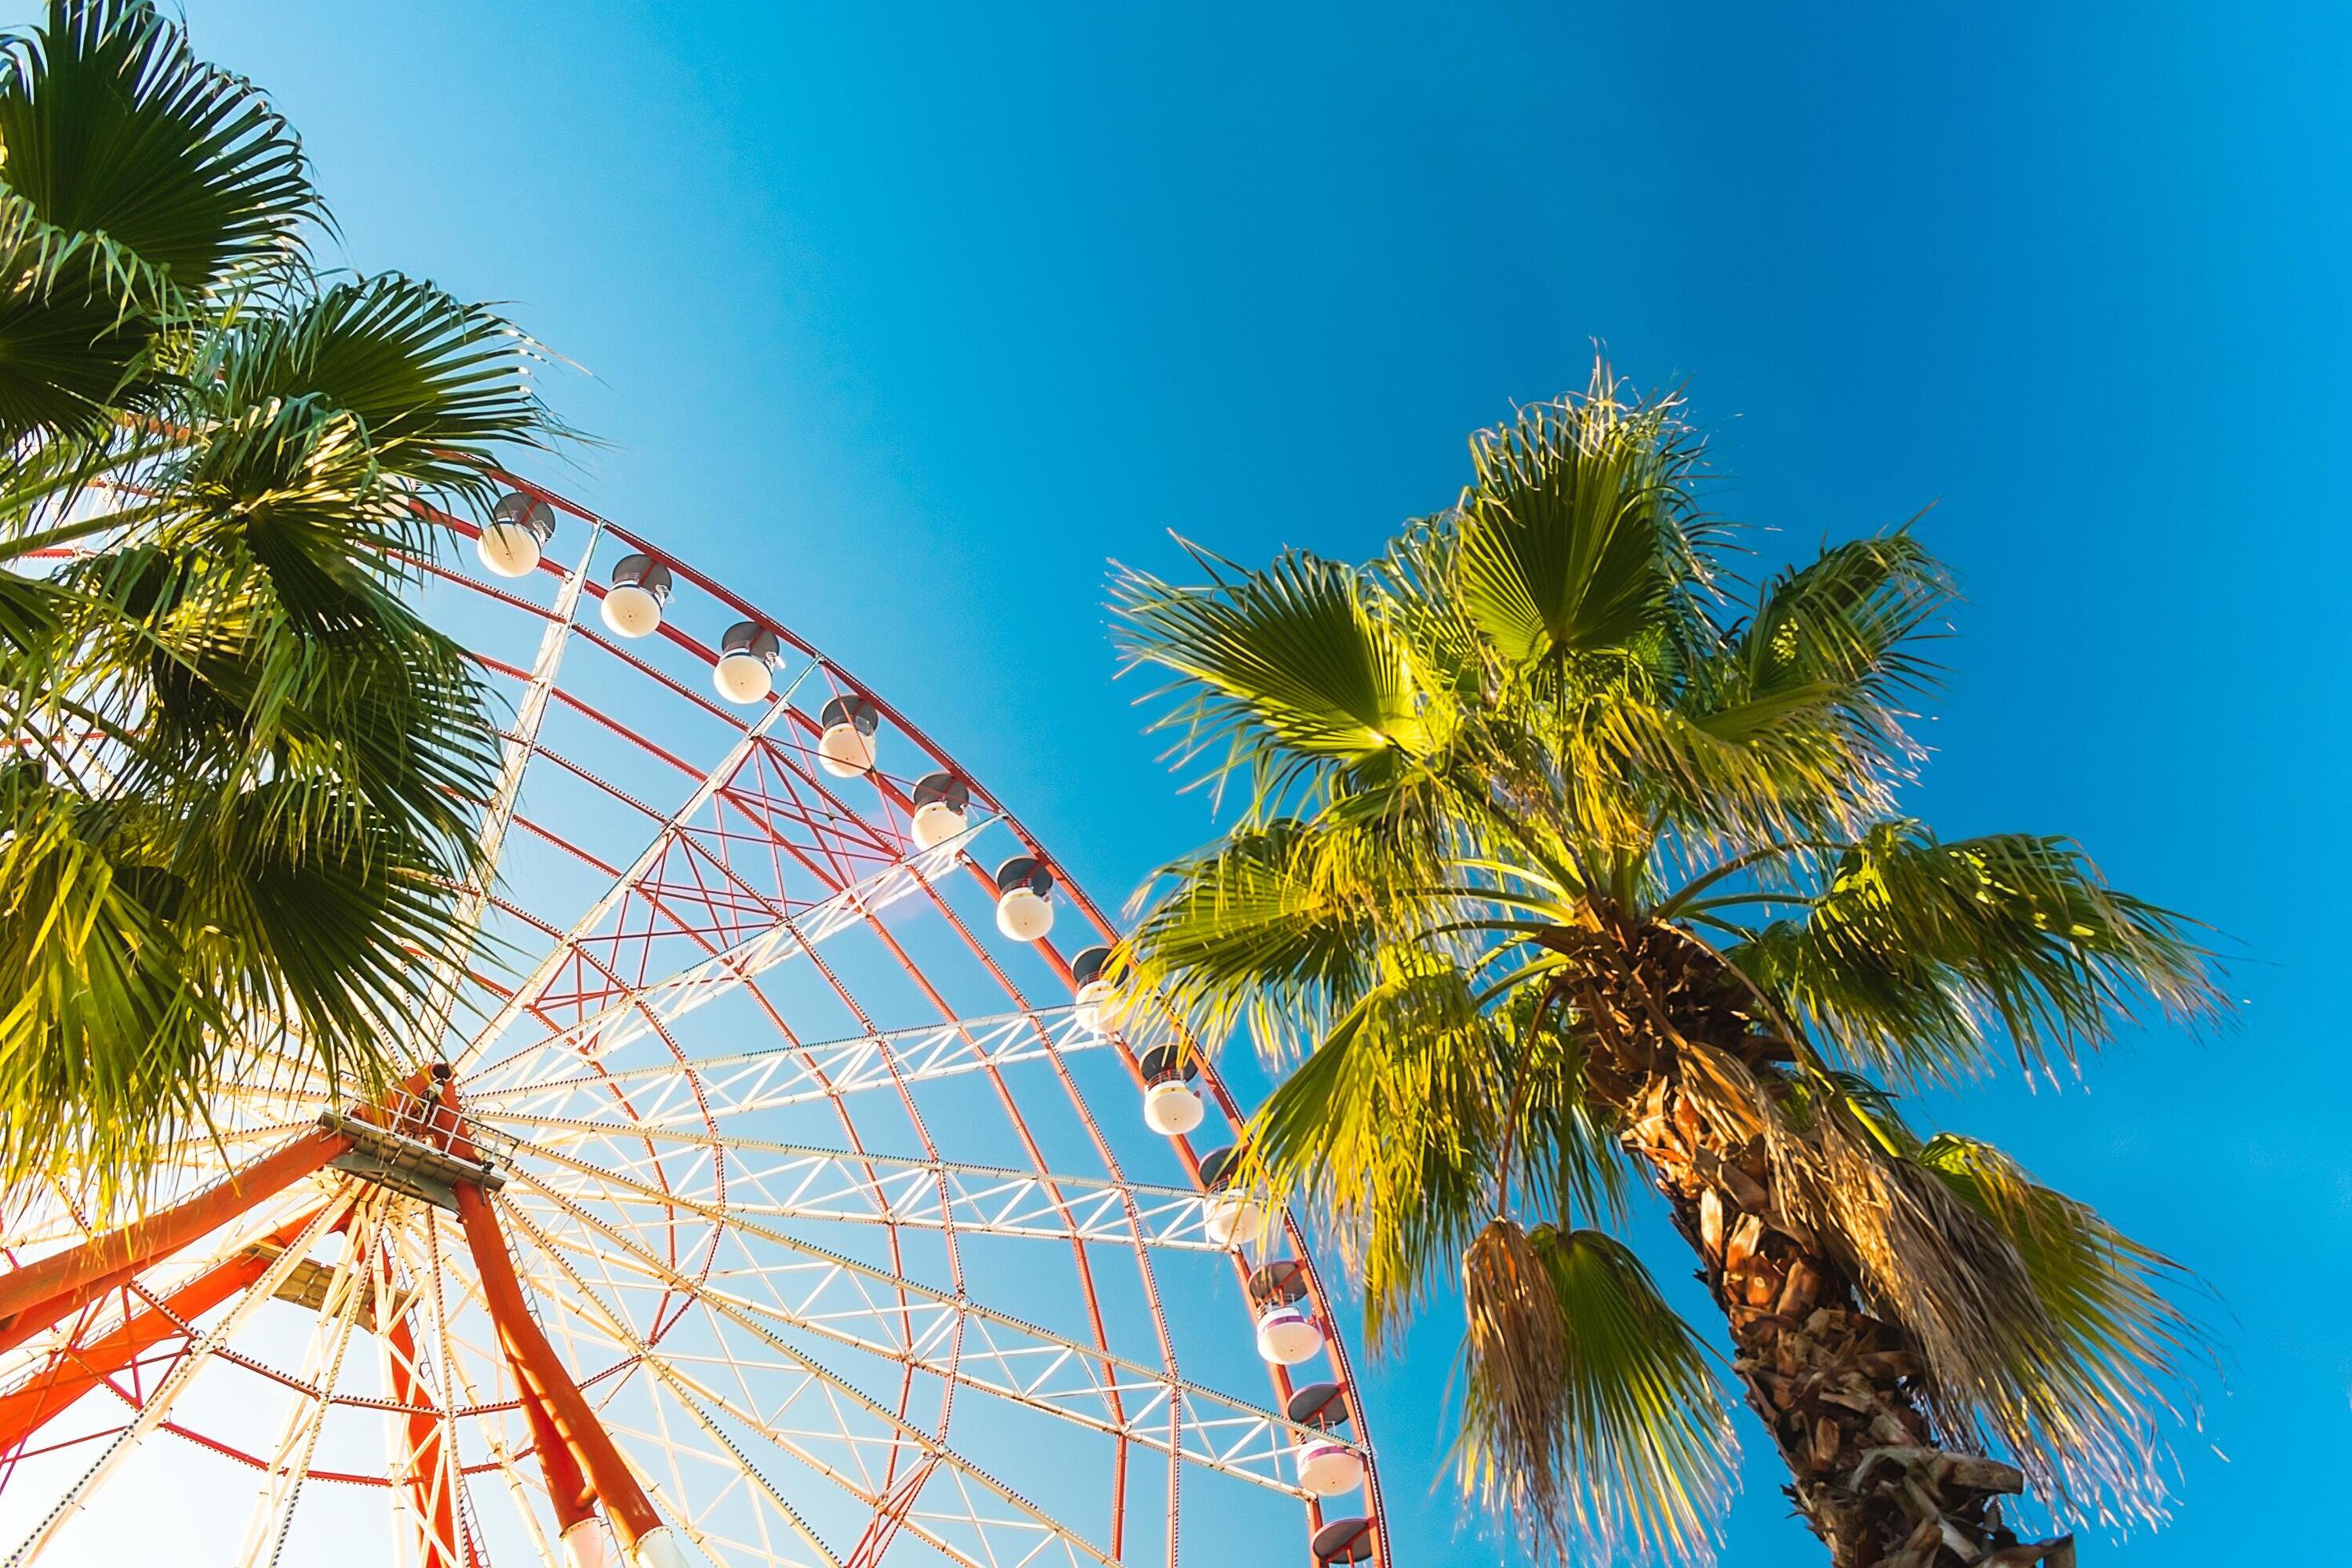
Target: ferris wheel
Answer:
[[780, 1183]]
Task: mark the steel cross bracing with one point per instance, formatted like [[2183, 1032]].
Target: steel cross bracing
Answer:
[[802, 1183], [639, 1011], [664, 1230], [805, 1286], [534, 987]]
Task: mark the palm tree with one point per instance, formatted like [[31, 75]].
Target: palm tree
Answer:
[[1556, 875], [238, 814]]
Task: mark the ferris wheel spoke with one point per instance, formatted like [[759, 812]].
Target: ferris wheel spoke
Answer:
[[673, 1094], [664, 1374], [497, 818], [745, 1317], [824, 1293], [348, 1292], [429, 1498], [535, 984], [801, 1181], [644, 1010], [459, 1390]]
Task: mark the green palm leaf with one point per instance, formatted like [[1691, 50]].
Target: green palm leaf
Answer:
[[1578, 532], [431, 383], [131, 161], [137, 180], [2085, 1383], [1547, 873], [1920, 953], [1296, 657]]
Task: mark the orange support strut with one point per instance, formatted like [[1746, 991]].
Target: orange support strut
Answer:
[[75, 1370], [45, 1292], [546, 1384]]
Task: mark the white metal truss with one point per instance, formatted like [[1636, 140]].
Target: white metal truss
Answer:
[[686, 1092], [771, 1180], [549, 966], [773, 1277], [798, 1280], [648, 1009]]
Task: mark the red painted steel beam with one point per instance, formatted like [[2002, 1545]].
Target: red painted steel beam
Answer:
[[46, 1291], [75, 1370], [432, 1482], [562, 1421]]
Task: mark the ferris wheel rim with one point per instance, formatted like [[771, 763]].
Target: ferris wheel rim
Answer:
[[569, 624]]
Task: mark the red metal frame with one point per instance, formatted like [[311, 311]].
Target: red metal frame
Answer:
[[711, 896], [571, 1439], [1278, 1377], [76, 1369]]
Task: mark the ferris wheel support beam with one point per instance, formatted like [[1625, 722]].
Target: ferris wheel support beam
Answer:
[[562, 1421], [576, 1454], [44, 1293], [428, 1471], [75, 1370], [157, 1407]]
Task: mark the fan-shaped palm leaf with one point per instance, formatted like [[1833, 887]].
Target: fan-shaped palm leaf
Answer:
[[1578, 533], [1294, 660], [1919, 953]]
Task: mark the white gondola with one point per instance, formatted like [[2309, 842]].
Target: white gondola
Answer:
[[845, 747], [1287, 1336], [1228, 1217], [1095, 1004], [1287, 1330], [1329, 1468], [519, 527], [1329, 1464], [632, 604], [941, 802], [1171, 1100], [1024, 911], [746, 670]]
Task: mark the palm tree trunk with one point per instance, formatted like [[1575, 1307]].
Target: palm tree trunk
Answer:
[[1837, 1386]]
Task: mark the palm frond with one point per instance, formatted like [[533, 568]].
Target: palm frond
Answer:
[[134, 165], [2083, 1398], [1590, 1417], [1810, 688], [1921, 952], [1271, 915], [1295, 660], [106, 1038], [137, 180], [1578, 531], [1390, 1131], [434, 384], [2037, 1323]]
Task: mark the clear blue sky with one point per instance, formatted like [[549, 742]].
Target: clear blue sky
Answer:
[[908, 316]]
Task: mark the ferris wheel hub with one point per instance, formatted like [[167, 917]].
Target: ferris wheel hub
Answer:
[[404, 1165]]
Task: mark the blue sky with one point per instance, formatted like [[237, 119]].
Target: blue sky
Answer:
[[910, 316]]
